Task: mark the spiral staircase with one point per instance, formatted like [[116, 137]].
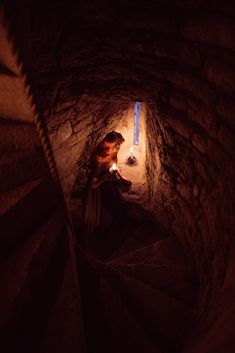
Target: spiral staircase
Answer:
[[53, 297]]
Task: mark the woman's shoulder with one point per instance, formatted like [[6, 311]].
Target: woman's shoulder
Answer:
[[99, 167]]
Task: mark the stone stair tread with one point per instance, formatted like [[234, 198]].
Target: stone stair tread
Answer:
[[14, 272], [147, 233], [17, 139], [142, 235], [13, 156], [168, 274], [14, 103], [12, 197], [18, 168], [5, 71], [158, 311], [175, 280], [36, 297], [29, 214], [63, 332], [126, 333], [7, 56], [129, 245], [167, 250]]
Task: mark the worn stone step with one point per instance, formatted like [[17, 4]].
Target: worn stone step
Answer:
[[35, 285], [175, 280], [18, 136], [26, 216], [164, 251], [64, 328], [143, 235], [154, 309], [14, 272], [126, 333], [7, 55], [10, 198], [17, 168], [14, 102]]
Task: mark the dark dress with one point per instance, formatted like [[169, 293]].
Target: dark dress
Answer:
[[104, 210]]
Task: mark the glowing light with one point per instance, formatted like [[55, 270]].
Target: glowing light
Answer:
[[137, 123], [114, 168], [132, 150]]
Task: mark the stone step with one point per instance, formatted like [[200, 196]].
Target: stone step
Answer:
[[11, 197], [154, 309], [14, 102], [34, 277], [175, 280], [126, 333], [18, 136], [17, 168], [14, 272], [64, 327], [165, 251], [26, 216], [141, 236], [7, 55], [23, 169]]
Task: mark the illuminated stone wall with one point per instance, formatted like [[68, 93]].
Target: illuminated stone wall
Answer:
[[89, 61]]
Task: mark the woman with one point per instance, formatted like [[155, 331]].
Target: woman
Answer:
[[104, 204]]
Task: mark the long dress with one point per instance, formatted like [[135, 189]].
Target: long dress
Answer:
[[104, 205]]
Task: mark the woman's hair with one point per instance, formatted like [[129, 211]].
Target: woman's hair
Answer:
[[114, 136], [102, 149]]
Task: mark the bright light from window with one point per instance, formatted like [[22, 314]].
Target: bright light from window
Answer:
[[136, 123]]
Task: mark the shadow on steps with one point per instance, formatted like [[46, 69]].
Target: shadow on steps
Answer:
[[137, 230]]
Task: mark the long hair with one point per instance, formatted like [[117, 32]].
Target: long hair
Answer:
[[101, 149], [113, 136]]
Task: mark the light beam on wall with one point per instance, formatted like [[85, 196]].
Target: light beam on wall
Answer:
[[137, 123]]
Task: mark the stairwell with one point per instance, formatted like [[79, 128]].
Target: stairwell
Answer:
[[141, 296]]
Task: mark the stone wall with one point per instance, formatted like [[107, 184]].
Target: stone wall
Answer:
[[74, 131], [90, 60], [193, 196]]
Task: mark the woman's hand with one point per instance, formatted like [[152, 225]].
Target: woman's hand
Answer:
[[96, 182], [124, 184], [109, 177], [128, 182]]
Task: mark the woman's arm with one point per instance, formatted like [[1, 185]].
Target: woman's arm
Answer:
[[96, 182], [120, 177], [123, 179]]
